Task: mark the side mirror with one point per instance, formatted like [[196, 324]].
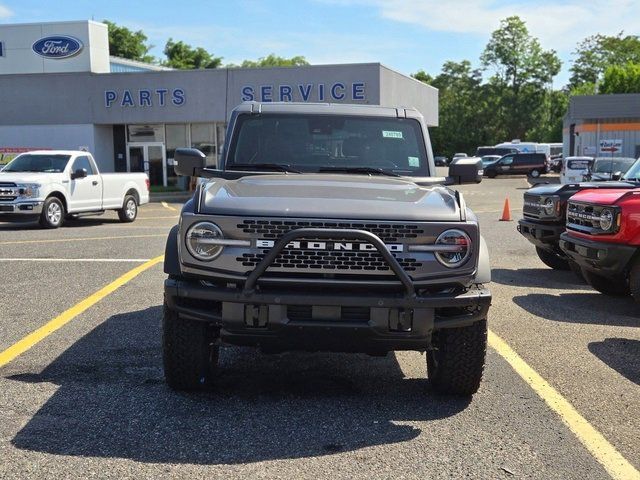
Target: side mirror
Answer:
[[465, 170], [189, 161], [79, 173], [616, 176]]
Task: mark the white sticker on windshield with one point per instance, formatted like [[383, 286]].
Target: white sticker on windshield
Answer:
[[391, 134], [414, 162]]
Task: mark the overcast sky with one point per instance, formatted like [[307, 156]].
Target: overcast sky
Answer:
[[406, 35]]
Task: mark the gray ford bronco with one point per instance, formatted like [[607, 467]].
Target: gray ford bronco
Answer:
[[324, 228]]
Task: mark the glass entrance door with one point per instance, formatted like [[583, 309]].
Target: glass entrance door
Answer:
[[149, 158]]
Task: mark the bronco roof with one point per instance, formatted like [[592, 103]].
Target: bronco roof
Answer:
[[328, 109]]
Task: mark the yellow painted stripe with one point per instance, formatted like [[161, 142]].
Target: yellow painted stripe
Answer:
[[156, 218], [605, 453], [65, 317], [81, 239], [168, 207]]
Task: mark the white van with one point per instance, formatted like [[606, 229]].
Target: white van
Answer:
[[574, 169], [527, 147]]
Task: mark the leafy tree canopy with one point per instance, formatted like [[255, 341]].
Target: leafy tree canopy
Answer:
[[621, 79], [273, 60], [185, 57], [125, 43]]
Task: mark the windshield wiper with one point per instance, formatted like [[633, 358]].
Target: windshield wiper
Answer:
[[369, 170], [261, 166]]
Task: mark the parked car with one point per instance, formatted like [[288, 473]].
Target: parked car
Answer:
[[606, 168], [489, 159], [554, 163], [54, 184], [459, 155], [574, 169], [356, 249], [544, 215], [533, 164], [441, 161], [603, 238], [499, 151]]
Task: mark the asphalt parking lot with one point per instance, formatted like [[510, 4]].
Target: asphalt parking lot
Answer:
[[89, 399]]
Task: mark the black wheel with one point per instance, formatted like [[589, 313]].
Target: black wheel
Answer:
[[609, 286], [535, 173], [491, 174], [634, 280], [552, 260], [189, 352], [53, 214], [129, 210], [575, 268], [456, 363]]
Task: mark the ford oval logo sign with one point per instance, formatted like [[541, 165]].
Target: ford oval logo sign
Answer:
[[57, 46]]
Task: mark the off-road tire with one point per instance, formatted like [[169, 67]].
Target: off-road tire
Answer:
[[47, 220], [189, 352], [609, 286], [576, 269], [535, 173], [552, 260], [456, 362], [634, 280], [129, 211]]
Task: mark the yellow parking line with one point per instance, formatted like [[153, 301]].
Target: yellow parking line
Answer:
[[606, 454], [81, 239], [168, 207], [155, 218], [65, 317]]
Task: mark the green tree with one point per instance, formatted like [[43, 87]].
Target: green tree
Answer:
[[423, 76], [125, 43], [597, 52], [522, 77], [621, 79], [273, 60], [185, 57]]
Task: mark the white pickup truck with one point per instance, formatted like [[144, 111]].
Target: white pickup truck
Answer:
[[59, 184]]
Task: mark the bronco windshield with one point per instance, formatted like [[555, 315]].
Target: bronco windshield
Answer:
[[313, 143], [38, 163], [634, 172]]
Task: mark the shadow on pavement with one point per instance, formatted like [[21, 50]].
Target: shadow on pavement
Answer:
[[538, 278], [112, 402], [621, 354], [588, 308]]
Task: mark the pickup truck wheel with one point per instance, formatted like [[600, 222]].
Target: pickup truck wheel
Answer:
[[190, 357], [609, 286], [52, 215], [129, 210], [456, 363], [551, 259], [634, 280]]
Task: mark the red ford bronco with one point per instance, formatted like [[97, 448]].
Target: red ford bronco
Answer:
[[603, 238]]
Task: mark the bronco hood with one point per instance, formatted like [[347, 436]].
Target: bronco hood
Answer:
[[329, 196], [601, 197]]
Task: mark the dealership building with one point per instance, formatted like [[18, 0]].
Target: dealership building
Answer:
[[60, 89], [603, 125]]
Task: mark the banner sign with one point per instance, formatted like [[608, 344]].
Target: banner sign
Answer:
[[611, 146]]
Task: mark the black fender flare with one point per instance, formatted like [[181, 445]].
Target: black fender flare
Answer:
[[171, 258]]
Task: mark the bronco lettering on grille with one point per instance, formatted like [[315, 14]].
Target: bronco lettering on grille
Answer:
[[335, 246]]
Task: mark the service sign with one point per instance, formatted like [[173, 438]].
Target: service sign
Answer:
[[57, 47], [611, 146]]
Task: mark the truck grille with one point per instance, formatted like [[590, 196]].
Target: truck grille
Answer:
[[531, 206], [584, 218], [324, 260], [276, 228], [7, 192]]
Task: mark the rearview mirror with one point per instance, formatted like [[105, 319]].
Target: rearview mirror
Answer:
[[465, 170], [189, 162], [79, 173]]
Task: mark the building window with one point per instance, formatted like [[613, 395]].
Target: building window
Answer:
[[145, 133], [176, 136], [203, 137]]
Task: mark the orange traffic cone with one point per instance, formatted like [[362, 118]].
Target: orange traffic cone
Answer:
[[506, 211]]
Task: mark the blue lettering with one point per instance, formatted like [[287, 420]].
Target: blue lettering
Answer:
[[285, 92], [305, 91], [321, 92], [178, 97], [265, 93], [145, 98], [358, 91], [162, 93], [334, 91], [247, 94], [109, 97], [127, 99]]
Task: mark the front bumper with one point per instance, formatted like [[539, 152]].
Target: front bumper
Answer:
[[23, 207], [606, 259], [279, 319], [543, 235]]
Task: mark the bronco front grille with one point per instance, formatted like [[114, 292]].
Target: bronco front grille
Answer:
[[585, 218], [531, 206], [276, 228], [326, 260]]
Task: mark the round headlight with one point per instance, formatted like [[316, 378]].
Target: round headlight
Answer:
[[201, 241], [549, 206], [606, 219], [460, 248]]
